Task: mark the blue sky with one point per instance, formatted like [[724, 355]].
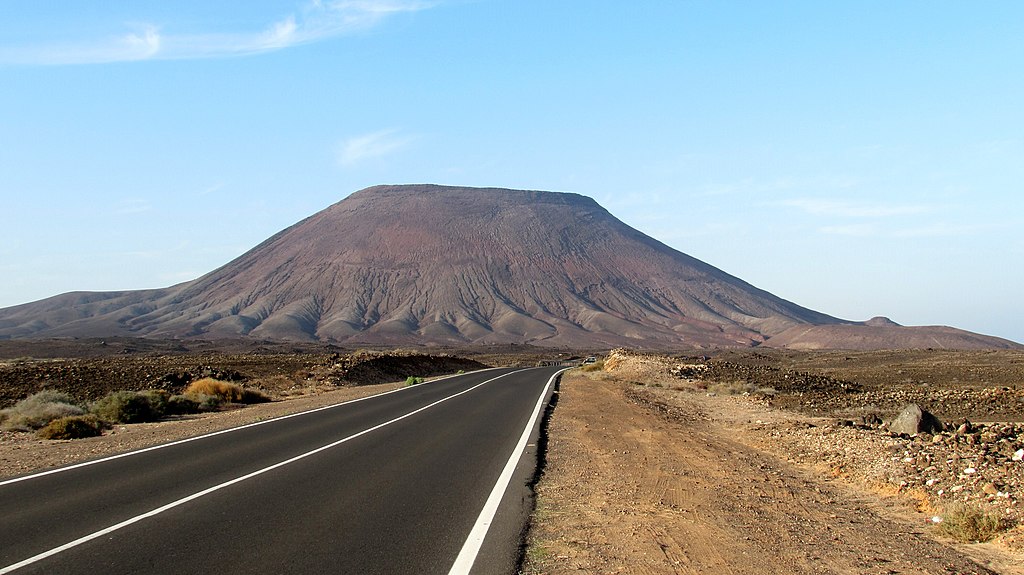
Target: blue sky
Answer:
[[859, 158]]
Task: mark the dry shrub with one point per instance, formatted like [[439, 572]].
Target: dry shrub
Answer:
[[73, 427], [250, 395], [596, 366], [971, 524], [227, 392], [38, 410]]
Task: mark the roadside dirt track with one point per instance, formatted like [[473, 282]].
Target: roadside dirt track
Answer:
[[24, 452], [634, 486]]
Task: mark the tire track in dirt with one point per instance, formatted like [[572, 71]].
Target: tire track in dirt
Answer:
[[637, 486]]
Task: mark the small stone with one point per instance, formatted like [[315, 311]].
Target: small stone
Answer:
[[990, 489], [1018, 455]]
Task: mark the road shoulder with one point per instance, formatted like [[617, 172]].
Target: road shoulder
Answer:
[[634, 484], [22, 453]]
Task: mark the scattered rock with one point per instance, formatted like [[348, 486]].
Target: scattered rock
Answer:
[[871, 419]]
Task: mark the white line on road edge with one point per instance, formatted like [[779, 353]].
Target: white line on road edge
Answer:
[[207, 491], [204, 436], [471, 548]]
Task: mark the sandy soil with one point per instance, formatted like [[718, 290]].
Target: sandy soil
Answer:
[[24, 452], [636, 484]]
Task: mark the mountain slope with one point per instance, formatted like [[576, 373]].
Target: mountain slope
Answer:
[[435, 264]]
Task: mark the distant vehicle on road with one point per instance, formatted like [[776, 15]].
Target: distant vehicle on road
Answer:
[[590, 359]]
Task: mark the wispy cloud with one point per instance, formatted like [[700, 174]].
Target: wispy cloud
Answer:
[[856, 230], [374, 145], [864, 230], [317, 21], [132, 206], [847, 209], [142, 43], [939, 230], [212, 189], [744, 186], [755, 186]]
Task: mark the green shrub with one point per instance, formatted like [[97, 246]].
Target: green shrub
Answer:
[[124, 407], [183, 405], [204, 402], [73, 427], [158, 401], [971, 524], [413, 380], [39, 409]]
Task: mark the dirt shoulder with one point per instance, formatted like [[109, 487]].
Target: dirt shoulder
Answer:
[[637, 482], [24, 452]]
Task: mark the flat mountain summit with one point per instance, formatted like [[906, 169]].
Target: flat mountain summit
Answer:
[[426, 264]]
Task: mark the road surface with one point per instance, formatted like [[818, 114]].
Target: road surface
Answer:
[[395, 483]]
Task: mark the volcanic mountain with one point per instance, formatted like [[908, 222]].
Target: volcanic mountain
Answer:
[[425, 264]]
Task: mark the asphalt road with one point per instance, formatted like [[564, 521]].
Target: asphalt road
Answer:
[[390, 484]]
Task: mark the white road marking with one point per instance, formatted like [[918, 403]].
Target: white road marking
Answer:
[[198, 437], [471, 548], [209, 490]]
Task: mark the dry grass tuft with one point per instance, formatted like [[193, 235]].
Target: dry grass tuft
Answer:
[[38, 410], [227, 392], [971, 524]]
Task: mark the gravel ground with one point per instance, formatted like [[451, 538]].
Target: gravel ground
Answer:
[[764, 403], [23, 452]]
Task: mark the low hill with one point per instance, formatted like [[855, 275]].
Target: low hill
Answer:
[[881, 333]]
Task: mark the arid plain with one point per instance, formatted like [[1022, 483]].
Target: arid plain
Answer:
[[732, 461]]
